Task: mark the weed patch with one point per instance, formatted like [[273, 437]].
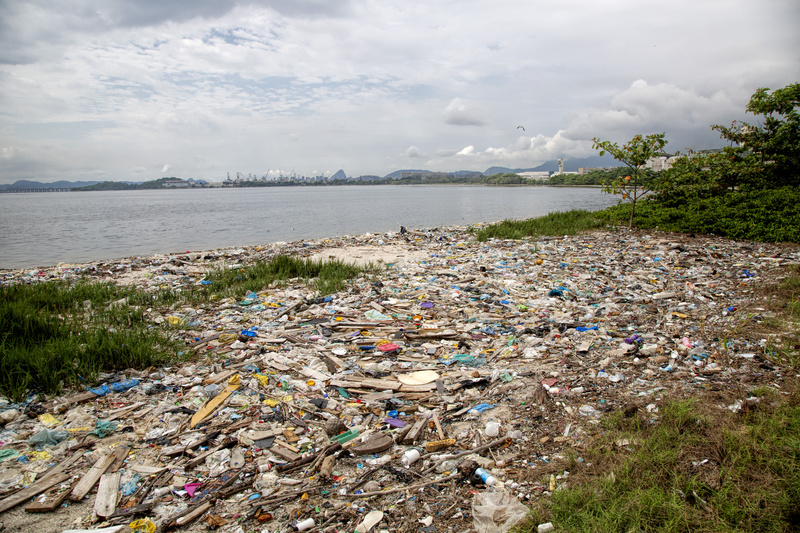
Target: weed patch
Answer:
[[697, 468], [325, 276], [54, 334], [558, 223]]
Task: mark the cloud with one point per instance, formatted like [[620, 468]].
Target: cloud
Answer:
[[467, 151], [413, 152], [462, 113], [111, 87], [685, 115]]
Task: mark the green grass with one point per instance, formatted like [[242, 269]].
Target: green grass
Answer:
[[55, 333], [558, 223], [326, 277], [751, 483]]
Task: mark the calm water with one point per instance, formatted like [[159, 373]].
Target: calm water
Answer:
[[40, 229]]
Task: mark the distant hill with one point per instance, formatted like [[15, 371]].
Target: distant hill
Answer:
[[340, 175], [570, 165], [28, 184], [396, 174]]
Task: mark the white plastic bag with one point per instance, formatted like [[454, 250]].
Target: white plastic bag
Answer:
[[496, 511]]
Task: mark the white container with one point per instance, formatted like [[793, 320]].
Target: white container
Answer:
[[486, 477], [162, 491], [308, 523], [410, 457], [492, 429]]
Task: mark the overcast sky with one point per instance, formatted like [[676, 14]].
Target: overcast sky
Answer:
[[140, 89]]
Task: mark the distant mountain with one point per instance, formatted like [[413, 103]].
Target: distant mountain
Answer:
[[396, 173], [340, 175], [28, 184], [570, 165]]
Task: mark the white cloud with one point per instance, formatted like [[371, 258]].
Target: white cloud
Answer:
[[108, 88], [461, 113], [413, 152]]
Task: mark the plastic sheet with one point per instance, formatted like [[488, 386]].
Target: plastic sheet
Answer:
[[496, 511]]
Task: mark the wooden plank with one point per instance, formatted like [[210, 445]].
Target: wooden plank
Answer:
[[120, 453], [413, 434], [201, 458], [31, 491], [314, 374], [213, 404], [118, 413], [91, 478], [144, 412], [377, 396], [74, 399], [109, 529], [376, 384], [285, 454], [428, 387], [203, 342], [143, 469], [107, 493], [216, 378], [50, 500], [60, 467], [438, 425], [194, 514]]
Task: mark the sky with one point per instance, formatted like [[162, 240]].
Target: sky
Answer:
[[137, 90]]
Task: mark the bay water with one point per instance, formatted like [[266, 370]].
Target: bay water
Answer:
[[44, 229]]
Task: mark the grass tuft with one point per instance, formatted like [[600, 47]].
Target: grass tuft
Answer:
[[698, 468], [55, 333], [325, 276], [558, 223]]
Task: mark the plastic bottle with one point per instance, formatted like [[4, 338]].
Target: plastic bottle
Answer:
[[492, 429], [308, 523], [410, 457], [484, 476]]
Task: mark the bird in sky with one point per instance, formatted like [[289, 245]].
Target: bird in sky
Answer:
[[523, 129]]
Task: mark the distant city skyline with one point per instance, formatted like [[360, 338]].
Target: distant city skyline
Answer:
[[114, 90]]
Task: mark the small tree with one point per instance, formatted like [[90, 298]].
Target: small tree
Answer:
[[634, 154], [767, 154]]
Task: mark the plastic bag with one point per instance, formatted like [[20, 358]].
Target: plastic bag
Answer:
[[48, 437], [122, 386], [104, 428], [496, 511], [143, 525]]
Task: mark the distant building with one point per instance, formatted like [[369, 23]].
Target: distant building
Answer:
[[174, 183], [662, 162], [586, 170], [535, 175]]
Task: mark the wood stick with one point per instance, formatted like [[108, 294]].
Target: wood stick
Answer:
[[401, 489], [30, 491], [91, 478], [493, 444]]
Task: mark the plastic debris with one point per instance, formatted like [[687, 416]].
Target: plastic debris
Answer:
[[291, 405]]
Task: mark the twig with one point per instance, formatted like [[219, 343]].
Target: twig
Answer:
[[492, 444], [401, 489]]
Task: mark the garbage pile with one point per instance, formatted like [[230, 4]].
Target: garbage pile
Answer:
[[438, 396]]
